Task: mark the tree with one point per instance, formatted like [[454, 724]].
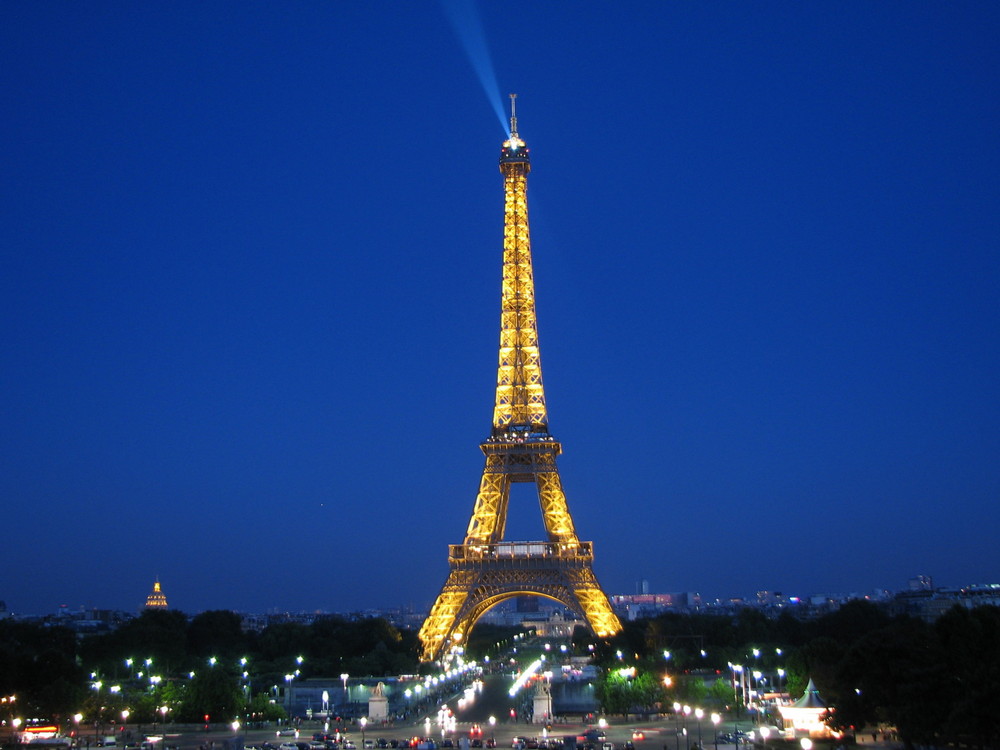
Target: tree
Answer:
[[721, 692], [895, 673], [215, 692], [970, 647], [216, 633]]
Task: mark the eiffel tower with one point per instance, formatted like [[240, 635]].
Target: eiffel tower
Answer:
[[485, 570]]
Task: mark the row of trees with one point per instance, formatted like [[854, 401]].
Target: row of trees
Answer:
[[203, 665], [935, 682]]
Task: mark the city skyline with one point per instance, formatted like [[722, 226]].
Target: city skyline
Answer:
[[251, 293]]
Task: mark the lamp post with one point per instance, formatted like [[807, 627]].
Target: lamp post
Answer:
[[677, 727], [764, 733], [493, 723], [344, 677], [716, 718], [698, 714], [363, 721]]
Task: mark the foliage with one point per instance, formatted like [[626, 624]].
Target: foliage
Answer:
[[39, 666], [622, 694], [721, 692], [48, 669], [215, 692], [934, 683]]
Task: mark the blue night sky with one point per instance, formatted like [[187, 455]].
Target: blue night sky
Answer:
[[251, 277]]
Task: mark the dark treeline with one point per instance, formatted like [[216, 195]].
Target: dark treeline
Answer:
[[53, 673], [935, 682]]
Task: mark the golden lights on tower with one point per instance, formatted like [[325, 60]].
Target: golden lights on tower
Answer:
[[486, 570]]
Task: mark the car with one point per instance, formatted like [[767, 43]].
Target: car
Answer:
[[638, 734]]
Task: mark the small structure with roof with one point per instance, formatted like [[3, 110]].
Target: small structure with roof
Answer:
[[807, 716]]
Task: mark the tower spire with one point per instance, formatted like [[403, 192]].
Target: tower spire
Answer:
[[513, 116]]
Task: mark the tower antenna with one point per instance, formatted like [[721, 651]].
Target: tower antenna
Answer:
[[513, 116]]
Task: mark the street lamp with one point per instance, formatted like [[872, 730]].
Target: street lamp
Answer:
[[344, 677], [493, 723], [716, 718], [687, 712], [677, 728], [363, 721], [764, 733], [698, 714], [806, 743]]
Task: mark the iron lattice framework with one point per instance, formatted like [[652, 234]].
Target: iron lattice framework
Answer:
[[486, 570]]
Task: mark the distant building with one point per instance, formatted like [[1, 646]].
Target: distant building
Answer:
[[156, 598]]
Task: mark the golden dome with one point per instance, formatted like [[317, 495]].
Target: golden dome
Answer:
[[156, 600]]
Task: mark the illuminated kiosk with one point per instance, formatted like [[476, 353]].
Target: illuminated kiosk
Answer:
[[806, 716]]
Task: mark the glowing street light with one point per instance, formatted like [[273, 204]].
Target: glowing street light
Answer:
[[363, 721], [716, 718]]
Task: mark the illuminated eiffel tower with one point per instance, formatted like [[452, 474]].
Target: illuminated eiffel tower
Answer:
[[485, 570]]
